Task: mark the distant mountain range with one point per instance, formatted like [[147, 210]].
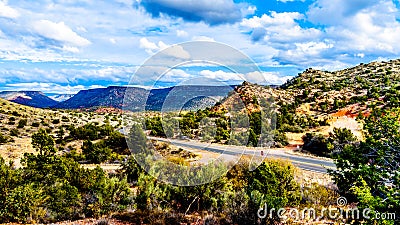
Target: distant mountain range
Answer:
[[173, 98], [30, 98]]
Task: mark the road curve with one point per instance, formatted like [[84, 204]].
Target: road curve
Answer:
[[303, 162]]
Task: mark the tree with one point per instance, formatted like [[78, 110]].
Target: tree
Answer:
[[369, 172], [273, 184], [96, 152], [43, 143], [137, 140]]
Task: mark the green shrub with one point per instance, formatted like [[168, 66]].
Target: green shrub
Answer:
[[22, 123], [35, 124], [14, 132]]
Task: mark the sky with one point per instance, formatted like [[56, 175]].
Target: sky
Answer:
[[63, 46]]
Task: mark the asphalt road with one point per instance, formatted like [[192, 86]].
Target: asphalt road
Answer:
[[229, 152]]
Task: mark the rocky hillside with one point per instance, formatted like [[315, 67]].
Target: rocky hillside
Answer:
[[30, 98], [318, 92], [318, 101]]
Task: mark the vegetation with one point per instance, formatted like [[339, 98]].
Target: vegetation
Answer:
[[368, 172], [51, 188], [335, 143]]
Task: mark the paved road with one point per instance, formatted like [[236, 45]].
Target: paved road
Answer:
[[229, 152]]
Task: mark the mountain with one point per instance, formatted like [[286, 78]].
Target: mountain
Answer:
[[112, 96], [60, 97], [30, 98], [173, 98], [190, 97]]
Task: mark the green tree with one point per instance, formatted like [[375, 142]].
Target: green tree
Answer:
[[368, 172], [272, 184], [43, 143]]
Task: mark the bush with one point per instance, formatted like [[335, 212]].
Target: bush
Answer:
[[22, 123], [4, 139], [316, 144], [14, 132], [35, 124]]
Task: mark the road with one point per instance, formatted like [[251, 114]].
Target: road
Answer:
[[230, 152]]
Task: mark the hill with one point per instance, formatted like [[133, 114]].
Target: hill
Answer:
[[30, 98], [318, 101], [316, 92], [110, 97]]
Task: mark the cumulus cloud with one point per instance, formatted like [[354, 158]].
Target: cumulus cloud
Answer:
[[59, 32], [279, 27], [330, 12], [359, 26], [265, 78], [8, 12], [68, 75], [151, 47], [211, 12], [175, 51]]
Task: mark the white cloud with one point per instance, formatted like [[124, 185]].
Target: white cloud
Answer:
[[49, 87], [275, 78], [150, 47], [181, 33], [279, 27], [221, 75], [113, 41], [254, 77], [250, 10], [202, 38], [367, 26], [8, 12], [70, 49], [59, 32], [175, 51]]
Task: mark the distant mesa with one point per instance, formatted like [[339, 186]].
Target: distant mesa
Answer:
[[191, 97], [30, 98]]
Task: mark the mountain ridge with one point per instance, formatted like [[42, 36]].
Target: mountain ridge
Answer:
[[30, 98]]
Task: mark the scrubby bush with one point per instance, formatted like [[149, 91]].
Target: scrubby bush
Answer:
[[22, 123], [14, 132], [4, 139]]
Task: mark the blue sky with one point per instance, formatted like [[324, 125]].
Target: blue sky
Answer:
[[63, 46]]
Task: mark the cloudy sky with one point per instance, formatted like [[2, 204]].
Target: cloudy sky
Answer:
[[63, 46]]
